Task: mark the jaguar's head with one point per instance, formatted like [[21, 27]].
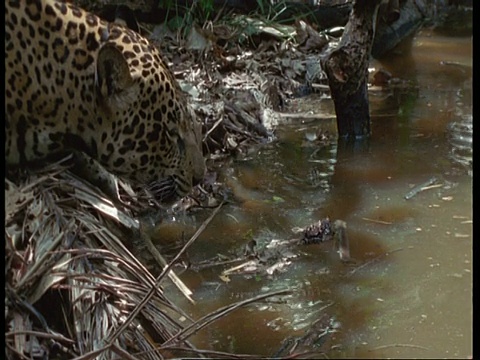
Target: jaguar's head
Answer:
[[152, 136]]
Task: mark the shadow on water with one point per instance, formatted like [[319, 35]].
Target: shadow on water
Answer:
[[409, 294]]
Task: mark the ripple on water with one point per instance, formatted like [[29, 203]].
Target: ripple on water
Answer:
[[461, 139]]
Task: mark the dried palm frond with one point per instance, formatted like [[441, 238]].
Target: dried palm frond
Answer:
[[70, 280]]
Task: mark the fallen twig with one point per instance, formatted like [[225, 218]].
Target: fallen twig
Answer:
[[422, 187], [210, 263], [378, 221], [163, 263], [372, 261]]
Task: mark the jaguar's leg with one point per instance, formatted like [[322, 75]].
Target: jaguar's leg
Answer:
[[90, 170]]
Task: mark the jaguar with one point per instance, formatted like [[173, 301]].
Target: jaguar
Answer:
[[77, 84]]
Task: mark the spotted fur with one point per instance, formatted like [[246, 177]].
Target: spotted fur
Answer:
[[77, 83]]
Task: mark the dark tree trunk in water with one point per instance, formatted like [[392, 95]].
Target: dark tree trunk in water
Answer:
[[347, 71]]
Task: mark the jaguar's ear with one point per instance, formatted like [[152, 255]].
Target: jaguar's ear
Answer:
[[113, 81]]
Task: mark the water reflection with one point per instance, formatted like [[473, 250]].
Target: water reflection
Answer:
[[409, 294]]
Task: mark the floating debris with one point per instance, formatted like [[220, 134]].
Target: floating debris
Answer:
[[422, 187]]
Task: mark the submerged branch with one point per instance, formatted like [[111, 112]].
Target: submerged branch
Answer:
[[399, 345], [152, 291], [217, 314]]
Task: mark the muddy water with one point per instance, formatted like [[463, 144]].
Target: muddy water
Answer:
[[409, 293]]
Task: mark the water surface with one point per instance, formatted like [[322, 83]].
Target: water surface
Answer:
[[410, 293]]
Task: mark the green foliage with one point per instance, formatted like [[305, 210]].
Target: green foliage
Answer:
[[200, 11], [207, 7], [248, 235], [262, 6], [167, 4]]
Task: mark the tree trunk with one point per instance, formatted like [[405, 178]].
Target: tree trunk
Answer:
[[395, 25], [347, 71]]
